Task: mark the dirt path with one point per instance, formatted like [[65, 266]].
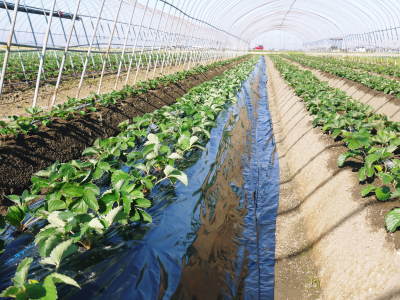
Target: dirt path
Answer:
[[382, 103], [331, 243]]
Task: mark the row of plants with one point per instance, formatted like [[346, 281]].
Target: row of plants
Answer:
[[75, 106], [82, 200], [368, 65], [372, 140], [340, 68], [24, 66]]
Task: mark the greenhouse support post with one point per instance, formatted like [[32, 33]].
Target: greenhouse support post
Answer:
[[136, 42], [143, 45], [162, 48], [8, 46], [155, 37], [172, 37], [60, 71], [43, 55], [90, 49], [125, 44], [109, 46]]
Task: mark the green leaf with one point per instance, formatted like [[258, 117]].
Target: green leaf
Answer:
[[168, 170], [96, 224], [48, 244], [127, 204], [392, 220], [56, 204], [367, 190], [63, 250], [90, 196], [22, 272], [175, 156], [143, 203], [55, 219], [383, 193], [15, 215], [386, 178], [109, 218], [146, 217], [72, 190], [152, 139], [15, 198], [35, 291], [119, 176], [50, 287], [60, 278], [10, 292], [343, 157], [90, 151]]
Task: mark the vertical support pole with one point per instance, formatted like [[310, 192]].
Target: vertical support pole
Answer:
[[142, 50], [164, 42], [154, 43], [8, 46], [109, 46], [43, 55], [172, 39], [60, 71], [125, 44], [90, 49], [136, 41]]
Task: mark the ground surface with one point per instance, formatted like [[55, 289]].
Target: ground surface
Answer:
[[331, 243]]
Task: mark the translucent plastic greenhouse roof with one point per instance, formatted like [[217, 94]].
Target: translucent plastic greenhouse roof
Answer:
[[255, 21]]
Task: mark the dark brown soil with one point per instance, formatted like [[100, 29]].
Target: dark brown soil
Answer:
[[63, 141]]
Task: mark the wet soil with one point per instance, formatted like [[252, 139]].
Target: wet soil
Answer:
[[64, 140]]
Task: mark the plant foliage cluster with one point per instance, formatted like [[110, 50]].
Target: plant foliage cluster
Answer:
[[372, 140], [350, 71], [80, 201]]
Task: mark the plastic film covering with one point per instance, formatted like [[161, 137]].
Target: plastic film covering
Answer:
[[311, 23], [214, 239]]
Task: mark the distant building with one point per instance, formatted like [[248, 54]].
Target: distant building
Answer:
[[259, 47]]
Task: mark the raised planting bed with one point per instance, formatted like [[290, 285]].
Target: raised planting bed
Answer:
[[342, 69], [372, 140], [66, 131]]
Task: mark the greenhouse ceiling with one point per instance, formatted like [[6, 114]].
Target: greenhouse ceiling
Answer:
[[276, 23]]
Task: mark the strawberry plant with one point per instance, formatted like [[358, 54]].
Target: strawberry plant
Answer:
[[68, 110], [348, 71], [372, 140]]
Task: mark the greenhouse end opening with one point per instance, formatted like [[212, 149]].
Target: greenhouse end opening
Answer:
[[177, 149]]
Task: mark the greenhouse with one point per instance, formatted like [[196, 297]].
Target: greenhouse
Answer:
[[180, 149]]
